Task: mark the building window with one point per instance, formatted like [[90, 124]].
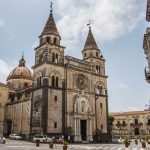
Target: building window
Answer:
[[56, 59], [48, 40], [124, 123], [101, 127], [55, 40], [55, 124], [148, 121], [55, 98], [53, 81], [118, 122], [84, 54], [53, 57], [97, 69], [97, 54], [57, 82], [101, 105], [25, 84], [136, 121]]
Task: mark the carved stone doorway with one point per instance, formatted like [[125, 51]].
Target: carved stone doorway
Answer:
[[83, 130]]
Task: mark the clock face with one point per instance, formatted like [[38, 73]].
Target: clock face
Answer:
[[80, 81]]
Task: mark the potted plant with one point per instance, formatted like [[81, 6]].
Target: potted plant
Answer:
[[126, 142], [65, 146], [143, 144], [136, 142], [51, 145], [37, 142]]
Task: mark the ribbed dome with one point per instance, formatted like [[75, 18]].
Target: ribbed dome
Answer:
[[20, 72]]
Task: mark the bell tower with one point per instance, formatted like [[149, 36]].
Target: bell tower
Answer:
[[49, 49], [48, 80]]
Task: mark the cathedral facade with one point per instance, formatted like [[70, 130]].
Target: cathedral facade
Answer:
[[64, 94]]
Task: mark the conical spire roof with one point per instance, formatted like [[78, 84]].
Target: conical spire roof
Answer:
[[90, 41], [50, 27]]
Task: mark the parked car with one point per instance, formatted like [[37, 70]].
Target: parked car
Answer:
[[43, 138], [15, 137]]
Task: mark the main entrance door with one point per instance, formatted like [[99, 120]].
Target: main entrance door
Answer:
[[83, 130]]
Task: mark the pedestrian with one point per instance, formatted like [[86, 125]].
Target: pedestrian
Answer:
[[69, 138]]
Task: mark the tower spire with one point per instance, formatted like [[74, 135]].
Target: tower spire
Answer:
[[50, 26], [90, 41]]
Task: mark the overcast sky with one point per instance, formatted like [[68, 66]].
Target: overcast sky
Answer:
[[118, 27]]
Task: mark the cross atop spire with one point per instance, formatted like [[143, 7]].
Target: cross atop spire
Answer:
[[51, 7], [89, 24]]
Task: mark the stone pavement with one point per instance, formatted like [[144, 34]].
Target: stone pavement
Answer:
[[24, 145]]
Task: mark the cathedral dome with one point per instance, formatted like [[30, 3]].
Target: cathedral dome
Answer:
[[20, 72]]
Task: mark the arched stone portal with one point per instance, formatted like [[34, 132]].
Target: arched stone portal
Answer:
[[83, 117]]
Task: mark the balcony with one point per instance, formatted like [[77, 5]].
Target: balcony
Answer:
[[147, 74]]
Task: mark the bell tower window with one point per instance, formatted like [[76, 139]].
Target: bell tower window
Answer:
[[56, 59], [57, 82], [48, 40], [53, 57], [53, 81], [55, 40]]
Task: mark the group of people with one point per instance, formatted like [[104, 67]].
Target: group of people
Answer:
[[2, 139], [60, 139]]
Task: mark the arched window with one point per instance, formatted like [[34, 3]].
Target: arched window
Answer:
[[96, 69], [53, 81], [53, 57], [97, 54], [101, 105], [56, 59], [57, 82], [48, 40], [55, 41], [84, 54], [99, 90]]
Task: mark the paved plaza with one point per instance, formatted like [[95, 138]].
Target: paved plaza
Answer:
[[23, 145]]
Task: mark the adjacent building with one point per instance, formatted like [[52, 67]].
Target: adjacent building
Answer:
[[3, 101], [146, 44], [64, 93], [133, 123]]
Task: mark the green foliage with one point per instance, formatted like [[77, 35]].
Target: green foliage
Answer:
[[65, 143], [68, 131], [37, 141], [111, 119], [147, 137], [143, 142], [126, 141]]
